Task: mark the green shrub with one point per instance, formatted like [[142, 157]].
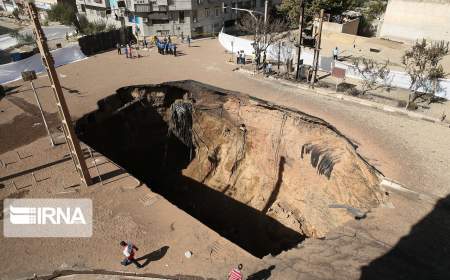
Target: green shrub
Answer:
[[23, 39], [16, 13], [63, 13]]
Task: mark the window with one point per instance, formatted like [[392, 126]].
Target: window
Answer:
[[181, 17], [162, 32], [199, 2], [206, 12], [194, 16], [160, 21], [217, 11]]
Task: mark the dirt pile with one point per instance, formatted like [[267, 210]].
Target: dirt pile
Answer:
[[240, 165]]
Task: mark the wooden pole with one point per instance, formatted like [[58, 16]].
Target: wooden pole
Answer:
[[302, 13], [317, 49]]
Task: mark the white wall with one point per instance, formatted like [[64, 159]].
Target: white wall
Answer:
[[398, 79], [409, 20]]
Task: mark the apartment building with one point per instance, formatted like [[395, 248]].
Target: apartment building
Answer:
[[8, 5], [193, 18], [100, 11]]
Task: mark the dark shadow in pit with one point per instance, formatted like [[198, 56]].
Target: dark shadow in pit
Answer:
[[423, 254], [276, 190], [136, 137]]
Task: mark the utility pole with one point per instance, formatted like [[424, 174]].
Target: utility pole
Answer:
[[69, 133], [301, 22], [265, 26], [317, 49], [266, 3]]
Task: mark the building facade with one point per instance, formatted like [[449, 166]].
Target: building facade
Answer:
[[8, 5], [193, 18]]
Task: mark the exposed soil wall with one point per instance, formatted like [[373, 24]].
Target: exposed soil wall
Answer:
[[261, 175]]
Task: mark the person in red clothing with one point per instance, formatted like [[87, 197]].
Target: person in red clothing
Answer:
[[129, 251], [235, 273]]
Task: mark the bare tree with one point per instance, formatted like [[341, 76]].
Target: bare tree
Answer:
[[375, 75], [264, 34], [422, 64]]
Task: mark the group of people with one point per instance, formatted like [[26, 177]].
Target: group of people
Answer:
[[240, 58], [129, 251], [166, 46], [127, 49]]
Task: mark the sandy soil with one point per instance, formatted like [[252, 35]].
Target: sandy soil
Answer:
[[413, 152], [351, 45]]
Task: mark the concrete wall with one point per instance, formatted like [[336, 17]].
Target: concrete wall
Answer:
[[409, 20], [350, 27], [96, 14]]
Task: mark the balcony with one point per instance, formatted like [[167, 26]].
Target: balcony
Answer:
[[143, 8], [97, 3]]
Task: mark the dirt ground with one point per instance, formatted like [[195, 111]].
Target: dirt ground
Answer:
[[413, 152], [360, 46]]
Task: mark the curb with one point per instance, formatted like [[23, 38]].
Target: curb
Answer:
[[341, 96]]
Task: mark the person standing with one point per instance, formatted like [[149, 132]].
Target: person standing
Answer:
[[335, 53], [189, 40], [235, 273], [129, 250], [126, 51], [119, 51], [130, 55]]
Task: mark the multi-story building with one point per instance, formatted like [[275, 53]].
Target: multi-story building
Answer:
[[99, 11], [8, 5], [167, 17]]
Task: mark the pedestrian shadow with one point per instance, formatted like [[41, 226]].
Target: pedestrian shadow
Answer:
[[263, 274], [152, 257]]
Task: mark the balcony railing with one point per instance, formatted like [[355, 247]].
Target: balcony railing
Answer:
[[140, 8]]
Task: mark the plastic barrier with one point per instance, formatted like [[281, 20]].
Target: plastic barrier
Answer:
[[12, 71]]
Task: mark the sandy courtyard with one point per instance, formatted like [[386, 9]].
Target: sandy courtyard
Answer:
[[412, 152]]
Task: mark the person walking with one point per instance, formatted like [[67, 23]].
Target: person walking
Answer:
[[129, 250], [129, 51], [119, 51], [145, 43], [235, 273], [126, 51], [189, 40], [335, 53]]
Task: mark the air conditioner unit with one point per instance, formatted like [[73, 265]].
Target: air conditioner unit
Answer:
[[145, 20]]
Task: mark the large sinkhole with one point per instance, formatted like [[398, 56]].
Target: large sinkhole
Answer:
[[263, 176]]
